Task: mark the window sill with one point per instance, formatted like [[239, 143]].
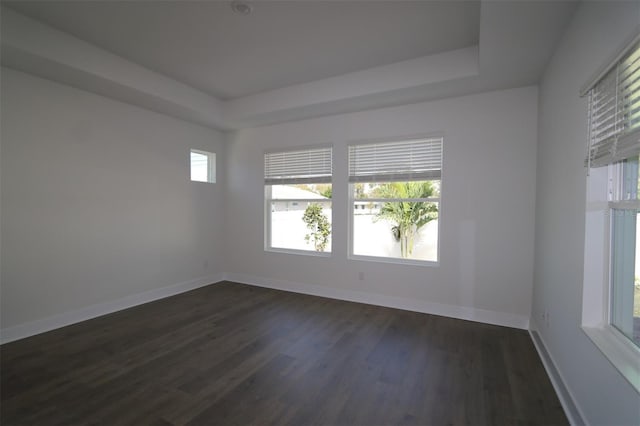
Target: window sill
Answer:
[[394, 260], [620, 351], [298, 252]]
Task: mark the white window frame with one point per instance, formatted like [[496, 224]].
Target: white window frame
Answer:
[[602, 186], [211, 166], [352, 200], [597, 285], [268, 199]]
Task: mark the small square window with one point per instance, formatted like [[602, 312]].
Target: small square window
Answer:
[[203, 166]]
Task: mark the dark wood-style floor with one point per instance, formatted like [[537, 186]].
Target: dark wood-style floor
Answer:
[[234, 354]]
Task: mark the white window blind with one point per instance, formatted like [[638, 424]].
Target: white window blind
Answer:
[[416, 159], [291, 167], [614, 112]]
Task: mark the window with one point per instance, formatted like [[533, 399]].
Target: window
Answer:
[[203, 166], [395, 199], [625, 249], [611, 293], [298, 200]]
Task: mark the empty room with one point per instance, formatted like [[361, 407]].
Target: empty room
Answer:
[[312, 212]]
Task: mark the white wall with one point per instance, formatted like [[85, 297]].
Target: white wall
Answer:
[[96, 201], [596, 33], [487, 211]]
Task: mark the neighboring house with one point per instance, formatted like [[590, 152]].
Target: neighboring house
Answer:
[[289, 198], [366, 207]]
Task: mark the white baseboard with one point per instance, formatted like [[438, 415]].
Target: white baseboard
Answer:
[[460, 312], [21, 331], [32, 328], [571, 409]]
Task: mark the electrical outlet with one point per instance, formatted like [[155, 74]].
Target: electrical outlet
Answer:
[[544, 317], [361, 276]]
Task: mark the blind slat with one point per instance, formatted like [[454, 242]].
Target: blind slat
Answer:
[[417, 159], [627, 144]]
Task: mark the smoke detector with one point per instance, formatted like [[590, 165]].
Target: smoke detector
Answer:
[[241, 8]]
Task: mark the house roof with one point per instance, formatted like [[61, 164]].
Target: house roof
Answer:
[[294, 193]]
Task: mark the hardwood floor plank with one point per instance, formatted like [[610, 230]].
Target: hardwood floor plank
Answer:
[[234, 354], [240, 403]]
